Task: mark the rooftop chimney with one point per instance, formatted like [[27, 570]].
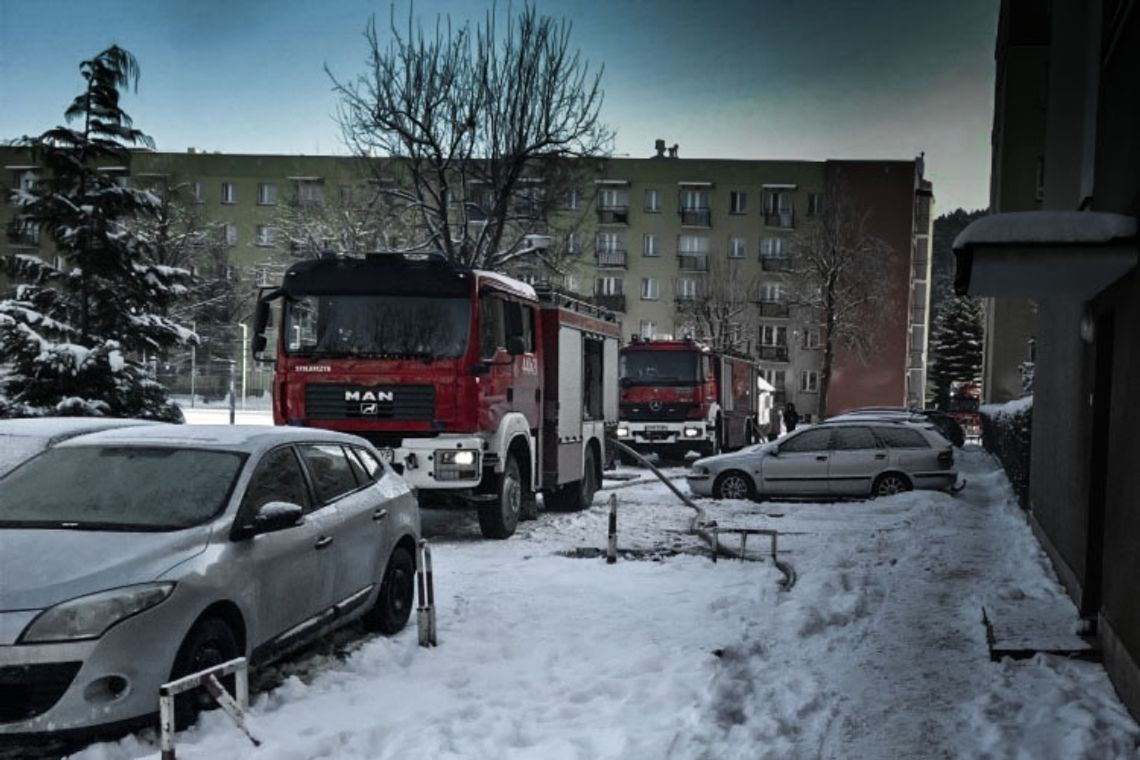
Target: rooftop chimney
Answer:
[[660, 145], [673, 150]]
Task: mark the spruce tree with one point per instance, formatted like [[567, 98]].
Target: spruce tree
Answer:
[[73, 336], [956, 347]]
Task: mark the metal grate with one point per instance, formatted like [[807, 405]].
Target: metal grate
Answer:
[[30, 690], [328, 401]]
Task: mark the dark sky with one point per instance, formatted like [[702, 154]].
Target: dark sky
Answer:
[[721, 78]]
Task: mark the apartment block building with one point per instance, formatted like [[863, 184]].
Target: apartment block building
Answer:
[[647, 236]]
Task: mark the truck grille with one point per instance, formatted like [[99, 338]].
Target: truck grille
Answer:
[[30, 690], [326, 401], [666, 411]]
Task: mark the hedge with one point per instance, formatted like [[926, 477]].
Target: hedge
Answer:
[[1006, 434]]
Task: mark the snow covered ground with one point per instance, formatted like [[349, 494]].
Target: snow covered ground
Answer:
[[545, 651]]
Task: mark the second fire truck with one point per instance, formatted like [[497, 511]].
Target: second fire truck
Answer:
[[679, 396], [475, 387]]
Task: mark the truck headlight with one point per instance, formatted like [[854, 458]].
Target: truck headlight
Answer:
[[456, 464], [623, 431], [691, 432], [89, 617]]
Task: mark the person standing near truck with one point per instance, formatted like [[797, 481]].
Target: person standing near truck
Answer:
[[775, 423], [791, 417]]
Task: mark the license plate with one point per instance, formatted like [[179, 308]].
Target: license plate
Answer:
[[656, 428], [386, 455]]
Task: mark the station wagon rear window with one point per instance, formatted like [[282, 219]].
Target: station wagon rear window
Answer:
[[902, 438]]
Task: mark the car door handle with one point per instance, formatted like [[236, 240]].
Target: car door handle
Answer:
[[379, 515], [323, 542], [821, 458], [880, 456]]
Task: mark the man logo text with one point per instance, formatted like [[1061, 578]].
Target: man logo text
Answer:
[[369, 395]]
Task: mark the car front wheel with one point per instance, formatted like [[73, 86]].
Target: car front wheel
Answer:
[[500, 517], [733, 485], [393, 606], [210, 643]]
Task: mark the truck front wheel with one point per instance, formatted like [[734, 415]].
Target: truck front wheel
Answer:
[[499, 518], [578, 495]]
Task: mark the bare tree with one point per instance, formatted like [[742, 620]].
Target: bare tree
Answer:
[[722, 312], [358, 218], [475, 127], [840, 275]]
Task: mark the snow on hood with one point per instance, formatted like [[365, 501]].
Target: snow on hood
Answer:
[[39, 568]]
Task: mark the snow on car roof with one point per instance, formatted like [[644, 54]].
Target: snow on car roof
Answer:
[[58, 428], [237, 437]]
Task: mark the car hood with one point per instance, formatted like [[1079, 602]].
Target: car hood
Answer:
[[39, 568], [724, 459]]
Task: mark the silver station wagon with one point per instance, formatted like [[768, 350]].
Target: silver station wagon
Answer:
[[131, 557], [831, 460]]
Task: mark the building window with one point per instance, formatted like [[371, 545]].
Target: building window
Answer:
[[266, 194], [737, 248], [815, 204], [610, 198], [229, 192], [310, 191], [648, 330], [653, 201], [573, 243], [26, 180], [779, 210], [812, 337], [24, 232], [609, 286], [737, 202], [231, 235], [773, 248], [777, 378], [266, 235], [572, 199], [687, 288], [773, 335], [772, 292], [197, 192], [809, 381], [694, 200], [649, 289], [652, 245]]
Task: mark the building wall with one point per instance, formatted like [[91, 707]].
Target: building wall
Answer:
[[889, 190]]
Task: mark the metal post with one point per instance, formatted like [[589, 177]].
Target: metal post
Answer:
[[425, 613], [193, 364], [611, 549], [166, 723], [244, 352], [232, 397]]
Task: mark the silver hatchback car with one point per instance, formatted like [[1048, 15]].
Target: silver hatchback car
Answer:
[[130, 557], [833, 460]]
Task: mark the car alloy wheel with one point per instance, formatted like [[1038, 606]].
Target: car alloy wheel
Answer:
[[733, 485], [891, 484]]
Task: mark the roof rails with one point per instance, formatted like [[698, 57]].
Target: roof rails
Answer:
[[549, 294]]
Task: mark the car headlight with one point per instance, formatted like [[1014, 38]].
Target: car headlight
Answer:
[[700, 470], [89, 617], [623, 432], [691, 432]]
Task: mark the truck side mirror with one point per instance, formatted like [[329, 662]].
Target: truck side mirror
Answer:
[[258, 341], [516, 346]]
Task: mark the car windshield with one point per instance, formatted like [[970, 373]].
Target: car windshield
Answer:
[[658, 367], [118, 488], [377, 325]]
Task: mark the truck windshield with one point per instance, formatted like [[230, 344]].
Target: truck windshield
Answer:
[[659, 368], [377, 325]]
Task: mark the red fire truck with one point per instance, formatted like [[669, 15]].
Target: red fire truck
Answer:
[[678, 395], [476, 387]]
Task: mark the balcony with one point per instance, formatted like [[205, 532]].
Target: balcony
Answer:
[[611, 302], [696, 217], [693, 262], [785, 218], [774, 353], [774, 309], [613, 215], [610, 258], [776, 263]]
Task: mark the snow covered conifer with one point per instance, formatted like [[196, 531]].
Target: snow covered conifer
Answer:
[[74, 332], [956, 347]]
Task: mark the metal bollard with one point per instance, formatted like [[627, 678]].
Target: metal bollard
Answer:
[[611, 549], [425, 613], [234, 708]]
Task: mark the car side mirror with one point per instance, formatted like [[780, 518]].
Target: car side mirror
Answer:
[[516, 346], [774, 451], [271, 517]]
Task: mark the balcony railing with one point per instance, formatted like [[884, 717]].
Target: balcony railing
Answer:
[[696, 217], [611, 258], [782, 218], [773, 309], [774, 353], [611, 302], [693, 262], [776, 263], [613, 215]]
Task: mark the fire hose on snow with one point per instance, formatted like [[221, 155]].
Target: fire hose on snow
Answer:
[[708, 530]]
